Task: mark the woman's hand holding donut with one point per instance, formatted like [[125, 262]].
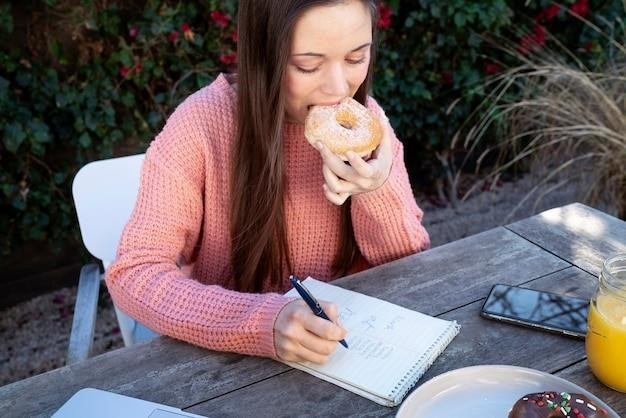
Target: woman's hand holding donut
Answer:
[[359, 176], [299, 335]]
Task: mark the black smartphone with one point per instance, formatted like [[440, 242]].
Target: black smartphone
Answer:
[[537, 309]]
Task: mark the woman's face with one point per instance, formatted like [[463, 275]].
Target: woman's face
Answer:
[[329, 57]]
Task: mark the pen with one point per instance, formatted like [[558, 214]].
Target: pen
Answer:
[[311, 301]]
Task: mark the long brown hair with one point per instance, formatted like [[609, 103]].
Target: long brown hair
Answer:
[[258, 231]]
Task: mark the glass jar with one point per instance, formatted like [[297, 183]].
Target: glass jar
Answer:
[[606, 325]]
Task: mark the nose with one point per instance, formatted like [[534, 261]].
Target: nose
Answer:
[[336, 82]]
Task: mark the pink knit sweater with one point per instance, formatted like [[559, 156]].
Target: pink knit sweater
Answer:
[[182, 217]]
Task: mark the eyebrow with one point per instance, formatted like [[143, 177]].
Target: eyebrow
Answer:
[[314, 54]]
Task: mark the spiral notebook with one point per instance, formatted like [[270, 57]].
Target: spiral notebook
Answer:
[[390, 347]]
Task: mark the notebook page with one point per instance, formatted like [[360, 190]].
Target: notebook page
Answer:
[[387, 342]]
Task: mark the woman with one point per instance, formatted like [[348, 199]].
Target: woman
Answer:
[[233, 199]]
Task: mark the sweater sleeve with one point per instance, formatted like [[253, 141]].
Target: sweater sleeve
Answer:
[[387, 221], [145, 280]]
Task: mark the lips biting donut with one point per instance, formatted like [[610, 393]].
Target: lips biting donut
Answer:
[[556, 405], [345, 126]]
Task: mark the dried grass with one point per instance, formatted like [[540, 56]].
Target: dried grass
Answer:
[[565, 118]]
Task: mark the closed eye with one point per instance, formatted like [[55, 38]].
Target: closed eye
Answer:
[[306, 70], [357, 61], [316, 69]]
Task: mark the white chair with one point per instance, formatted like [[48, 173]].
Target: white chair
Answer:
[[104, 195]]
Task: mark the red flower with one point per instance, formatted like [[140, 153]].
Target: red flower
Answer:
[[133, 32], [173, 36], [549, 13], [228, 58], [220, 19], [447, 78], [187, 32], [552, 11], [588, 47], [580, 8], [124, 71], [234, 36], [525, 44], [384, 16], [540, 35], [492, 68], [532, 41]]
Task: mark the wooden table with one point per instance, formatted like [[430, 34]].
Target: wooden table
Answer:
[[561, 249]]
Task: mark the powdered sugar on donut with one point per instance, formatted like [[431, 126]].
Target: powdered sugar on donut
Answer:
[[344, 127]]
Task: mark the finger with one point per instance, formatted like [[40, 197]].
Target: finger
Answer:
[[374, 172], [299, 353], [363, 168], [305, 345], [300, 335], [315, 346], [336, 164], [363, 177], [332, 311], [327, 330], [362, 173], [334, 183], [327, 154], [347, 184], [335, 198]]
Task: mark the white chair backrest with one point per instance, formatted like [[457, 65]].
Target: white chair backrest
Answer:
[[104, 194]]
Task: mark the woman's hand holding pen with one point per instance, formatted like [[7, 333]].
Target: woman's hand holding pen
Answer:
[[299, 335], [359, 176]]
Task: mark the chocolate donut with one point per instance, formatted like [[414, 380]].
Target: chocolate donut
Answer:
[[556, 405]]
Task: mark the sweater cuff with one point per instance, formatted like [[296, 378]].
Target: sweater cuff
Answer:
[[381, 196], [267, 318]]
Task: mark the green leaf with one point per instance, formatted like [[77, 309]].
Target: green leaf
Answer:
[[6, 18], [435, 11], [56, 50], [459, 19], [18, 203], [84, 140], [154, 119], [39, 131], [9, 189], [37, 149], [4, 88], [91, 121], [59, 177], [116, 136], [13, 136], [126, 58], [24, 78]]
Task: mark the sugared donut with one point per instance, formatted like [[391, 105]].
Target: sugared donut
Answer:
[[556, 405], [345, 126]]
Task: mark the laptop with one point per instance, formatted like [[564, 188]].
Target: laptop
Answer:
[[96, 403]]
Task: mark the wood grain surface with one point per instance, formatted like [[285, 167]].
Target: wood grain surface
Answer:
[[559, 250]]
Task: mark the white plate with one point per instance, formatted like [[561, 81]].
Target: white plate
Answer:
[[483, 392]]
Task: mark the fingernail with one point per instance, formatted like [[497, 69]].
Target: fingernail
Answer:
[[319, 145]]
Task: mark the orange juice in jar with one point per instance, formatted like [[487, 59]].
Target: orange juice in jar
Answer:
[[606, 325]]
